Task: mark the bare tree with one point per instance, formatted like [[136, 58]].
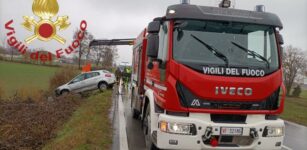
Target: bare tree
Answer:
[[97, 54], [294, 64], [104, 55], [2, 50], [6, 49], [84, 49], [110, 55], [3, 46]]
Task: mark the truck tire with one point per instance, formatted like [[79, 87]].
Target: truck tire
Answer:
[[135, 114], [147, 130]]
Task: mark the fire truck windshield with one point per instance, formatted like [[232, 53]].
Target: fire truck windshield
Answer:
[[199, 44]]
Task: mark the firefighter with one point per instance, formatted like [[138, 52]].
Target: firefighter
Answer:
[[118, 75], [127, 76]]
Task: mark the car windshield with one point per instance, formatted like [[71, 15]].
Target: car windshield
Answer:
[[225, 44]]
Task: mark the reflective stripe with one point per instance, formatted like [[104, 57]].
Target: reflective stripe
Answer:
[[148, 81], [160, 87]]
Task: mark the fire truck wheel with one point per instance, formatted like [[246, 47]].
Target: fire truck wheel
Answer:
[[132, 99], [135, 114], [147, 131]]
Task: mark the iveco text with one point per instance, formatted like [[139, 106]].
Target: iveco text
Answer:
[[233, 91]]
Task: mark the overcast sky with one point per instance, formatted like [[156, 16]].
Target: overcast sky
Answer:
[[127, 18]]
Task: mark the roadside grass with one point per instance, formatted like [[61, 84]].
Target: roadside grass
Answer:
[[14, 76], [88, 128], [296, 110], [304, 94]]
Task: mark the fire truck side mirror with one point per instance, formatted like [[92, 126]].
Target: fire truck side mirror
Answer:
[[152, 45], [153, 27], [280, 39]]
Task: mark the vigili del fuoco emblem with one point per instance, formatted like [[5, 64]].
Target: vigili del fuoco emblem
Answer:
[[45, 29]]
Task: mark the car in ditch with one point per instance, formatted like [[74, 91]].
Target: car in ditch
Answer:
[[99, 79]]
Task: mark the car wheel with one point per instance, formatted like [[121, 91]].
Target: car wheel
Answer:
[[102, 86], [64, 92], [147, 131]]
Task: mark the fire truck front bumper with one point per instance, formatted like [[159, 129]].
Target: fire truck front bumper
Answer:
[[198, 131]]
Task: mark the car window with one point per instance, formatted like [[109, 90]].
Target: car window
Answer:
[[88, 75], [91, 75], [79, 78], [95, 74]]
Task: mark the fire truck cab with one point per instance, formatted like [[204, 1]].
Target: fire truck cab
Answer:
[[209, 78]]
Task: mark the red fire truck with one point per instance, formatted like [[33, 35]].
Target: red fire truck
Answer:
[[208, 78]]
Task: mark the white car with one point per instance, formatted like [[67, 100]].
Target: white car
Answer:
[[100, 79]]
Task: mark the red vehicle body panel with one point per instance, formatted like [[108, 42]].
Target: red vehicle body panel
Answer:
[[204, 86]]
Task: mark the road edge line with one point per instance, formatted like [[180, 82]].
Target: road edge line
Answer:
[[123, 139], [294, 124], [285, 147]]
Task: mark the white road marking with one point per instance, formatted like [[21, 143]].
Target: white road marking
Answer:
[[122, 122], [285, 147], [294, 124]]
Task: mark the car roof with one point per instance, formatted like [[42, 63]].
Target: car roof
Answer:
[[104, 71], [100, 71]]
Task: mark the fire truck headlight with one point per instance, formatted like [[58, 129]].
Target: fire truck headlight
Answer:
[[273, 131], [177, 128]]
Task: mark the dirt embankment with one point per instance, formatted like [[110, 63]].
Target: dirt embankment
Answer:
[[30, 118], [29, 124]]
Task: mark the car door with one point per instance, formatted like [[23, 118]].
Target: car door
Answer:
[[77, 84], [93, 81], [88, 82]]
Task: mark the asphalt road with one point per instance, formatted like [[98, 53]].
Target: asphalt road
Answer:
[[296, 135], [136, 139]]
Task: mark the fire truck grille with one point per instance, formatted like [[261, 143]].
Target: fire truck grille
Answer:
[[232, 141], [217, 118], [189, 100]]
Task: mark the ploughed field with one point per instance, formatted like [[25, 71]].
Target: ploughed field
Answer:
[[31, 124], [31, 118]]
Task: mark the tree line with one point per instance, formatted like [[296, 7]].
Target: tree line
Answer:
[[99, 56]]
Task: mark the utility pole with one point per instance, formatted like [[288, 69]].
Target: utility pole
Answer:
[[80, 48]]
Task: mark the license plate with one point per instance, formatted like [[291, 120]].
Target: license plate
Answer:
[[231, 131]]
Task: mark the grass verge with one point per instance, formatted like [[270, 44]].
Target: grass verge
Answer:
[[304, 94], [88, 128], [295, 110]]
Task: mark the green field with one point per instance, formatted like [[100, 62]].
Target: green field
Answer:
[[14, 76], [295, 110], [304, 94]]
